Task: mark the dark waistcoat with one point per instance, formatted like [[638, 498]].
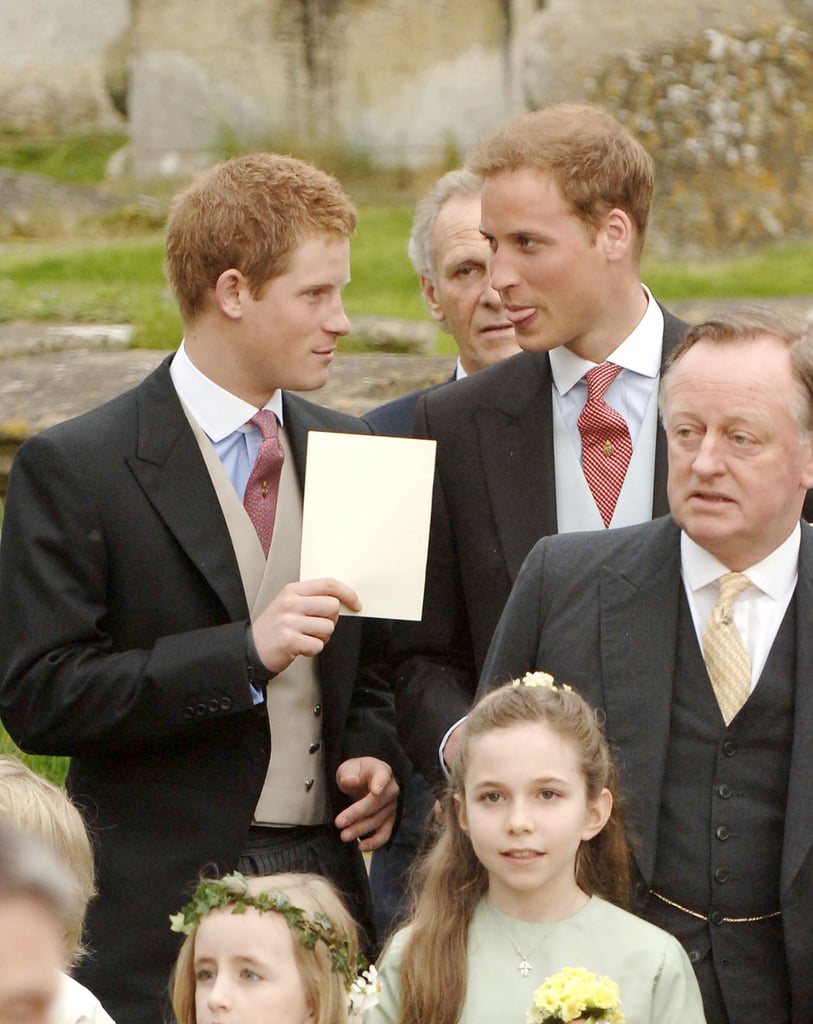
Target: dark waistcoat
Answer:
[[720, 830]]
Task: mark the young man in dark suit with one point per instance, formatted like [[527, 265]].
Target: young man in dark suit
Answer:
[[217, 711], [692, 634], [566, 197]]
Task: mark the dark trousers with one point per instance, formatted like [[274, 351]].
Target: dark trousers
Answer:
[[392, 865], [317, 849]]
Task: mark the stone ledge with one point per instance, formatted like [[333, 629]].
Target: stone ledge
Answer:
[[51, 373]]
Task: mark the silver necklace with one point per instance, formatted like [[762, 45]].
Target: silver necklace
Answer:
[[525, 966]]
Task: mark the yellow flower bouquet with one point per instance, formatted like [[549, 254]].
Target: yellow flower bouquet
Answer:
[[576, 994]]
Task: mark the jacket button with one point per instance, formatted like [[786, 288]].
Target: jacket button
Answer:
[[317, 710], [722, 832], [225, 703], [721, 875], [724, 792], [189, 712], [314, 747], [258, 756], [309, 785], [694, 956], [214, 705], [200, 710], [729, 748], [716, 917]]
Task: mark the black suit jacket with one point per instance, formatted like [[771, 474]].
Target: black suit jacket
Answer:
[[397, 418], [600, 610], [494, 498], [122, 644]]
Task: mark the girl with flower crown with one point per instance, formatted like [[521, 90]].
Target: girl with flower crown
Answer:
[[278, 948], [527, 877]]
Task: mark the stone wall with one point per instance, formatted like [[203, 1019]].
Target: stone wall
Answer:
[[399, 81], [718, 90], [728, 118], [52, 62]]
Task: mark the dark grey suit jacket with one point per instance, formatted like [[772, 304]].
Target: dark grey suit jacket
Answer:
[[122, 644], [494, 498], [600, 610]]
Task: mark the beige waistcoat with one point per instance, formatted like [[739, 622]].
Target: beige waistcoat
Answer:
[[294, 792]]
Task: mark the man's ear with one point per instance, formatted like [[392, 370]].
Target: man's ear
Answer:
[[598, 814], [430, 293], [617, 234], [807, 465], [229, 290]]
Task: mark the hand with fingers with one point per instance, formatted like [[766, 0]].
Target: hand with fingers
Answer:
[[300, 620], [371, 817]]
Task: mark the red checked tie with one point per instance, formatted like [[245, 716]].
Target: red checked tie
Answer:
[[606, 443], [260, 499]]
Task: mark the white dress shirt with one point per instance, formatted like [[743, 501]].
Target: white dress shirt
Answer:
[[222, 416], [759, 610], [630, 393]]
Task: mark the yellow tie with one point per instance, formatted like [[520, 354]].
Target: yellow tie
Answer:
[[727, 661]]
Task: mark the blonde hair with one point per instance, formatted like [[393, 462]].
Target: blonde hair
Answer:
[[38, 808], [595, 161], [451, 881], [325, 988], [248, 214]]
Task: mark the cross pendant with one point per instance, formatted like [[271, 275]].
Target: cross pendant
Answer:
[[524, 968]]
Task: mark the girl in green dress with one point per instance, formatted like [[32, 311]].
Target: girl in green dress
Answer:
[[528, 876]]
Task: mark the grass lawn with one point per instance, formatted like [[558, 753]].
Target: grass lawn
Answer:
[[121, 280], [53, 768]]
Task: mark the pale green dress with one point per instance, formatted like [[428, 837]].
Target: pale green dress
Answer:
[[651, 968]]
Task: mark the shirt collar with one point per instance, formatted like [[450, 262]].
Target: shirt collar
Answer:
[[218, 411], [774, 575], [640, 351]]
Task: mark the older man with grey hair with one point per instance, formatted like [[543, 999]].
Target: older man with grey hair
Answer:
[[691, 634], [450, 257]]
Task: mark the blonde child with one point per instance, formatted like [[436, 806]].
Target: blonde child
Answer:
[[279, 948], [519, 883], [38, 808]]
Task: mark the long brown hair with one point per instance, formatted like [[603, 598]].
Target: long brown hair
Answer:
[[450, 881]]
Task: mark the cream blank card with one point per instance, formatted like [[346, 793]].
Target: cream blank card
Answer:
[[365, 520]]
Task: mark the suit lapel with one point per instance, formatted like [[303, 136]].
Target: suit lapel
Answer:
[[515, 428], [673, 332], [639, 605], [298, 420], [517, 466], [169, 467], [798, 837]]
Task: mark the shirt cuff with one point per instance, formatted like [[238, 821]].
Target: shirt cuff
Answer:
[[258, 674]]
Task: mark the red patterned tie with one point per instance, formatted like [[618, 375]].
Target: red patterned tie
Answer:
[[606, 443], [260, 499]]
